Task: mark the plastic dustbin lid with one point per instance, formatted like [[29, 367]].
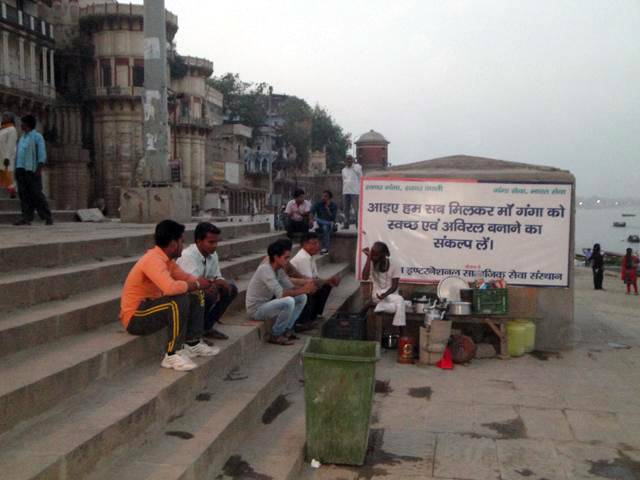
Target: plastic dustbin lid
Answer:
[[342, 350]]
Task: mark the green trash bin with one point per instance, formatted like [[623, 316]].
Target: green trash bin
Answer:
[[339, 382]]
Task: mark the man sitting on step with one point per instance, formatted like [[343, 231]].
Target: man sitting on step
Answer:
[[305, 263], [155, 296], [271, 294], [201, 260]]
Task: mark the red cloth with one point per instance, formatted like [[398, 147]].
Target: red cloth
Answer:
[[446, 362], [632, 270]]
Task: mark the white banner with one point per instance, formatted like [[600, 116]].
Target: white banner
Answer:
[[440, 227]]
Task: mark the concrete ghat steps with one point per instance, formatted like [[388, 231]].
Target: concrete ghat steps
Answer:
[[73, 247], [60, 216], [117, 426], [218, 425], [218, 434], [35, 286], [276, 448], [29, 327], [38, 378], [71, 439]]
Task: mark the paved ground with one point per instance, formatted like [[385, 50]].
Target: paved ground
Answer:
[[575, 415]]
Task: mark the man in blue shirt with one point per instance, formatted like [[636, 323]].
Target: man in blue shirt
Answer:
[[31, 155], [325, 212]]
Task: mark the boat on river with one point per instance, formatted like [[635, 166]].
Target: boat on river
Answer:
[[628, 214], [633, 239], [619, 224]]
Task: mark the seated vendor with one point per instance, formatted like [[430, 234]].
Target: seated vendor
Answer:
[[385, 276]]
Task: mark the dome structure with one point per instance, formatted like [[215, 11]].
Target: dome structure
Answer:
[[371, 151], [372, 138]]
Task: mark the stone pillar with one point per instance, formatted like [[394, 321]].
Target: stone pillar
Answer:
[[21, 58], [155, 99], [5, 58], [32, 64], [45, 81], [184, 147], [53, 72]]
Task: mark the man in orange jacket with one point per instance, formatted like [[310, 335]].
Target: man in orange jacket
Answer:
[[158, 294]]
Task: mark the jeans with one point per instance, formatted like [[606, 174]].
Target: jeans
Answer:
[[598, 276], [349, 200], [295, 226], [215, 309], [183, 314], [285, 309], [31, 196], [326, 226], [315, 304]]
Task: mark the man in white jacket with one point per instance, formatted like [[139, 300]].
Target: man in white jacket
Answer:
[[8, 141]]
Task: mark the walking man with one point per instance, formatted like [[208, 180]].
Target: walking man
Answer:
[[158, 294], [351, 174], [31, 156], [201, 260], [271, 294]]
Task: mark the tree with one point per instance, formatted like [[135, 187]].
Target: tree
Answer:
[[296, 128], [244, 101], [328, 135]]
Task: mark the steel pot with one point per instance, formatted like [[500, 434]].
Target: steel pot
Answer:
[[459, 308], [420, 305]]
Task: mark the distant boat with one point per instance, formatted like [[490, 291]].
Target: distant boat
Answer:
[[628, 214], [633, 239], [619, 224]]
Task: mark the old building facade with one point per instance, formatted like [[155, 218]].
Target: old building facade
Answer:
[[78, 66]]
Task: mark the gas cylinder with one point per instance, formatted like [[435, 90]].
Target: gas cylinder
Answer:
[[406, 346]]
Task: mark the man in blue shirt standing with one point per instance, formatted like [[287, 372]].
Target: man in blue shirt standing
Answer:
[[31, 155], [325, 211]]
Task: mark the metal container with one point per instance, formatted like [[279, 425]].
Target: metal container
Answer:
[[420, 305], [406, 347], [459, 308], [390, 341]]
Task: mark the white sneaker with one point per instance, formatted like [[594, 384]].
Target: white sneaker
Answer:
[[200, 349], [177, 362]]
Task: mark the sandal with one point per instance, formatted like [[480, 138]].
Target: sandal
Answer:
[[281, 340]]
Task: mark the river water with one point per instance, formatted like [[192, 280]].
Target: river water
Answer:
[[596, 226]]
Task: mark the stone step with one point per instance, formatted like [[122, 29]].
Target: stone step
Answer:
[[59, 216], [35, 379], [49, 321], [217, 425], [219, 432], [276, 448], [111, 414], [65, 244], [35, 286], [9, 205]]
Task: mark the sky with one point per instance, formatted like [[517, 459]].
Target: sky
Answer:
[[549, 82]]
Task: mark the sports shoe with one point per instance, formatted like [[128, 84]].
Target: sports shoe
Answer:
[[177, 362], [324, 251], [201, 349]]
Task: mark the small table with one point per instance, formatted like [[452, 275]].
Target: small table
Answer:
[[497, 323]]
